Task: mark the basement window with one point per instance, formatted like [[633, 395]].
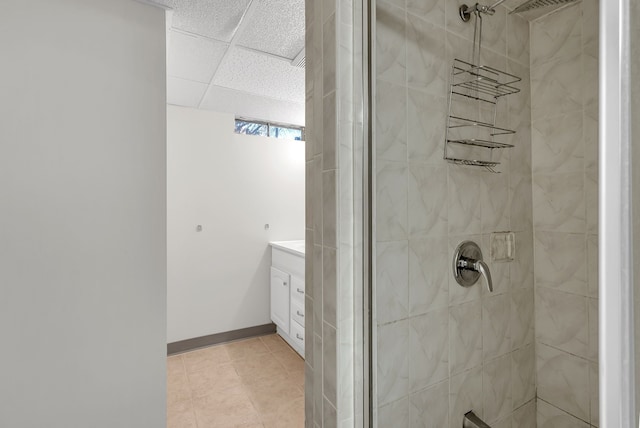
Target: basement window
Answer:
[[269, 129]]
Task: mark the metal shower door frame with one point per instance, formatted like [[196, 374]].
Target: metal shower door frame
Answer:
[[616, 323]]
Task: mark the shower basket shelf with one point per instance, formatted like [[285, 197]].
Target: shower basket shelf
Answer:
[[482, 143], [483, 84], [479, 87], [487, 82], [470, 122], [470, 162], [486, 85]]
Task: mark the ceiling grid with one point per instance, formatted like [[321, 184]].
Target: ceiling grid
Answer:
[[217, 48]]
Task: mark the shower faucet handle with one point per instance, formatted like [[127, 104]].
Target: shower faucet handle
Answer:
[[468, 265], [482, 267], [471, 420]]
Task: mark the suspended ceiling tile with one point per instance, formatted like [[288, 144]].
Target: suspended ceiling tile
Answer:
[[193, 58], [183, 92], [253, 106], [260, 74], [276, 27], [217, 19]]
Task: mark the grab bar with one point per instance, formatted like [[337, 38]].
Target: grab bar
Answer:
[[471, 420]]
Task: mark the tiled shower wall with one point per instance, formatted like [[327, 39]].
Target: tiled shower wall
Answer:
[[441, 349], [564, 83], [331, 215]]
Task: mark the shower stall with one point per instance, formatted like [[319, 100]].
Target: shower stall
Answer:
[[521, 81], [515, 96], [455, 215]]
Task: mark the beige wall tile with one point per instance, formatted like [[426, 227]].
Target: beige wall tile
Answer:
[[391, 61], [393, 363], [552, 417], [496, 326], [496, 389], [428, 349], [563, 379], [562, 321], [525, 416], [561, 261], [465, 393], [392, 281], [465, 336], [523, 375], [430, 407], [428, 282]]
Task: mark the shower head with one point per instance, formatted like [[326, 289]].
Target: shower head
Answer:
[[534, 4]]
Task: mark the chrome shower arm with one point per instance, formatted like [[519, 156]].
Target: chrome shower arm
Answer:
[[466, 11]]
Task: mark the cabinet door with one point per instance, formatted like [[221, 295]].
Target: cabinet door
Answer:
[[280, 286]]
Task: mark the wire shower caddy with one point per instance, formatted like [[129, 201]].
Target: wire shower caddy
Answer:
[[475, 90]]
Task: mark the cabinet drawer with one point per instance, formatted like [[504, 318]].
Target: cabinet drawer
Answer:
[[297, 289], [297, 334], [297, 312], [287, 262]]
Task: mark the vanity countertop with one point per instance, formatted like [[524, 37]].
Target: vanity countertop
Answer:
[[293, 247]]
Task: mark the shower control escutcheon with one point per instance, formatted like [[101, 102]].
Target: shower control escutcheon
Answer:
[[468, 265]]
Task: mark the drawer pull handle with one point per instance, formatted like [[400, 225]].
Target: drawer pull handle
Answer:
[[300, 290], [299, 337], [299, 314], [284, 283]]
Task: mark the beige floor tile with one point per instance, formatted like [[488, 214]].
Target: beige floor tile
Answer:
[[175, 366], [275, 343], [290, 360], [213, 380], [290, 415], [253, 383], [270, 395], [245, 348], [257, 367], [205, 358], [297, 377], [178, 388], [181, 415], [228, 410]]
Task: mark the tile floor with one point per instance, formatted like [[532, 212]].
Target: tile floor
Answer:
[[251, 383]]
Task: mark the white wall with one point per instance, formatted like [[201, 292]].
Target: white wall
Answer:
[[232, 185], [82, 214]]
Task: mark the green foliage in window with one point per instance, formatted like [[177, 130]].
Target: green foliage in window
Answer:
[[265, 129]]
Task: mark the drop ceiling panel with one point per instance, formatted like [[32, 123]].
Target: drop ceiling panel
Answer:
[[276, 27], [261, 74], [217, 19], [193, 58], [253, 106], [182, 92]]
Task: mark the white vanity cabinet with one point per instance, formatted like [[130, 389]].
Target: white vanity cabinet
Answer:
[[287, 291]]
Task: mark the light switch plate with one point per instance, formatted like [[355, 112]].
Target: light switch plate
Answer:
[[503, 246]]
